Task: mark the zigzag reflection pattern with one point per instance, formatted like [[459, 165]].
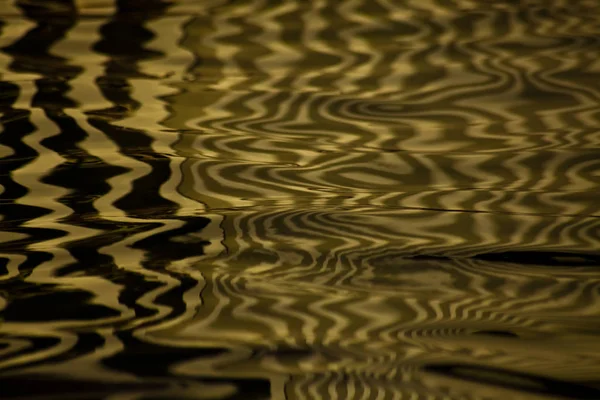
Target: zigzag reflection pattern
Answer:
[[357, 199]]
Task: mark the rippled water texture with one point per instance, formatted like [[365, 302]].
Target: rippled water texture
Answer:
[[254, 199]]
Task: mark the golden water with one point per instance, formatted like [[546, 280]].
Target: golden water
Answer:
[[255, 199]]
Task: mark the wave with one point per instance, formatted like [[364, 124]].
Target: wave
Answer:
[[360, 199]]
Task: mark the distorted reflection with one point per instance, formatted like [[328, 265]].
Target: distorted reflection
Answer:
[[293, 200]]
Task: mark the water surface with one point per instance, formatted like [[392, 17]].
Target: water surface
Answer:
[[300, 199]]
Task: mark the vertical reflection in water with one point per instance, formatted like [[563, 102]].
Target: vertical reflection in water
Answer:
[[31, 126], [94, 186], [160, 244]]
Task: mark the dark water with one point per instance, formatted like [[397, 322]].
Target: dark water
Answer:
[[322, 199]]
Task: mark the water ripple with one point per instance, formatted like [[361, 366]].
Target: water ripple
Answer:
[[358, 199]]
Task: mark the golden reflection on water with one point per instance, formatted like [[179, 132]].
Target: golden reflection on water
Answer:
[[290, 200]]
